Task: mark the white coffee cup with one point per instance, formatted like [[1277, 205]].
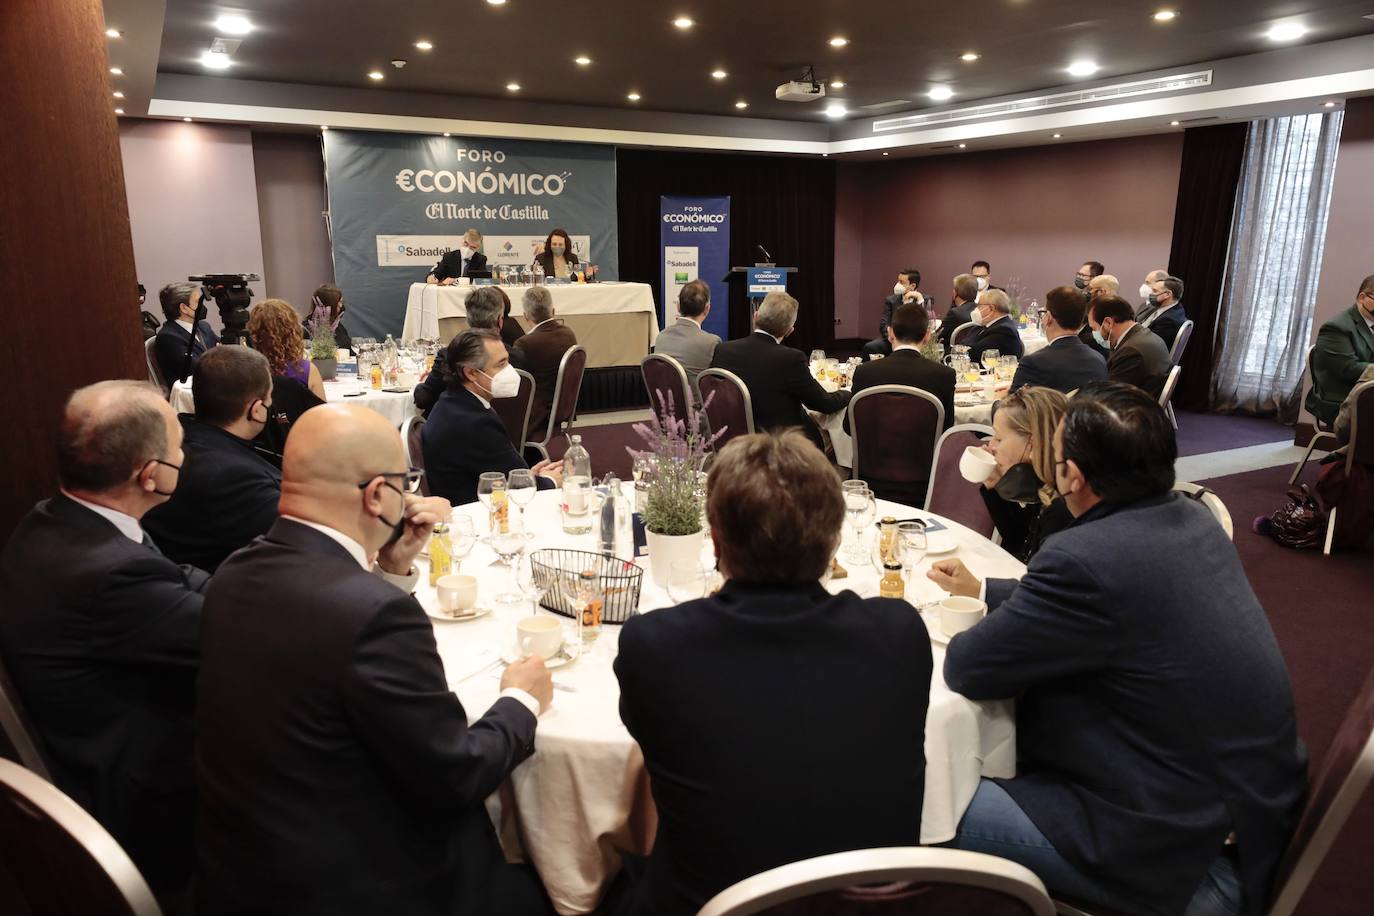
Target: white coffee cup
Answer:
[[541, 636], [958, 613], [464, 281], [457, 593], [976, 464]]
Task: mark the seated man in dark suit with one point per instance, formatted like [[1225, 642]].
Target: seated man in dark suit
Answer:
[[337, 772], [961, 306], [742, 793], [1163, 312], [1344, 350], [1066, 363], [464, 261], [100, 631], [1137, 357], [463, 437], [486, 307], [1158, 763], [999, 331], [779, 381], [542, 350], [228, 492], [906, 290], [185, 316]]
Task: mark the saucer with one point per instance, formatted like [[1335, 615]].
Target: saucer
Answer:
[[445, 617], [940, 542], [566, 656]]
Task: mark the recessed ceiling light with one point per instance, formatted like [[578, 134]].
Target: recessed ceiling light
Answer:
[[968, 57], [115, 71], [682, 22], [215, 60], [187, 120], [233, 25], [447, 134], [884, 152], [425, 45], [633, 96], [718, 74], [1173, 124], [836, 111], [1057, 136], [838, 42], [119, 111], [1328, 104], [375, 75], [741, 104], [825, 155], [324, 127], [119, 95], [1166, 16], [497, 2], [513, 87], [941, 93], [837, 84], [1286, 31], [1082, 68], [963, 146], [113, 33], [582, 61]]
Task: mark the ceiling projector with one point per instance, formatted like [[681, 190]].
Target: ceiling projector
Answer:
[[800, 91]]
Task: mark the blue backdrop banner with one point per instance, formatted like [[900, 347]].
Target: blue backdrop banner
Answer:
[[398, 202], [695, 236]]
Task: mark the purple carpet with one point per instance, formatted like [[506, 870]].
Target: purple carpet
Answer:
[[1200, 433]]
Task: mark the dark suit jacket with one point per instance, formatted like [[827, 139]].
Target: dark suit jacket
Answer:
[[1064, 365], [170, 349], [779, 383], [1154, 712], [1141, 359], [451, 264], [542, 350], [462, 440], [1002, 335], [737, 701], [426, 394], [956, 316], [337, 772], [908, 367], [100, 636], [1168, 323], [1085, 334], [889, 306], [226, 496], [1344, 349]]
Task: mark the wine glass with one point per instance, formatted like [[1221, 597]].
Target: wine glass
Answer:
[[911, 542], [990, 358], [686, 581], [461, 537], [508, 545], [530, 583], [522, 487], [490, 482], [860, 509]]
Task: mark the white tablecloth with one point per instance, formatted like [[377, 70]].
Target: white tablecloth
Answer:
[[428, 302], [1033, 340], [393, 405], [584, 793]]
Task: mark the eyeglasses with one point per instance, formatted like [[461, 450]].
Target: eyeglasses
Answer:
[[175, 467], [412, 480]]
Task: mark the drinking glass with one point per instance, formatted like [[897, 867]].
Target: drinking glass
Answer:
[[461, 537], [508, 545], [990, 358], [530, 584], [860, 509], [522, 488], [686, 581], [488, 483], [911, 541]]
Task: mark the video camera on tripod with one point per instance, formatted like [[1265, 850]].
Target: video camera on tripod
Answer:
[[231, 295]]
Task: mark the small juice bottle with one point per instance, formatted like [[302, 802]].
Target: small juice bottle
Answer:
[[440, 554], [376, 376], [500, 512]]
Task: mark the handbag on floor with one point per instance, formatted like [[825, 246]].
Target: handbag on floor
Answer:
[[1301, 523]]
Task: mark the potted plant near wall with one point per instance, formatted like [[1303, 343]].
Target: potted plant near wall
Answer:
[[674, 504], [324, 353]]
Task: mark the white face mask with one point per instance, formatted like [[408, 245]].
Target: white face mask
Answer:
[[982, 283], [1144, 290], [899, 289], [976, 317], [504, 384]]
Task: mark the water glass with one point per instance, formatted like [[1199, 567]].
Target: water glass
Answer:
[[860, 509], [508, 546], [522, 487], [911, 540]]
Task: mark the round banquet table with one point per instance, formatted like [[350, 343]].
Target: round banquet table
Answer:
[[584, 794], [394, 405]]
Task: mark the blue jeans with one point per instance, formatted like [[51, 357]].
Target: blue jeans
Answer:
[[996, 825]]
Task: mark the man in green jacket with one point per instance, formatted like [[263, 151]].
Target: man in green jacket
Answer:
[[1345, 348]]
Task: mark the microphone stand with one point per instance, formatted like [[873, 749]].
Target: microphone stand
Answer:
[[190, 350]]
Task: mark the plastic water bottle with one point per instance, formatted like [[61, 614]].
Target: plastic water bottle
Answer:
[[606, 521], [577, 489]]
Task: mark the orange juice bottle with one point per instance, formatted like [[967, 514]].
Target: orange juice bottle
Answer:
[[376, 376]]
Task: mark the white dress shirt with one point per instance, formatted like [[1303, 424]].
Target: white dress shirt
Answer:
[[127, 524]]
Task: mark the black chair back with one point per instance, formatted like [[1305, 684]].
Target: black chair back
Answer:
[[18, 739], [666, 382], [949, 494], [894, 429], [725, 399], [515, 412]]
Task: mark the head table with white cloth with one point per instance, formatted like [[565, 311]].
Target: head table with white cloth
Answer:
[[616, 322], [396, 405], [585, 793]]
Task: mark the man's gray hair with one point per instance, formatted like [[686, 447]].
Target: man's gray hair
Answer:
[[109, 431], [469, 351], [997, 299], [777, 314], [966, 287], [537, 303], [485, 307], [172, 296]]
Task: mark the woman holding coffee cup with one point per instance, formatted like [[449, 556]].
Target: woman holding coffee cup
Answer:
[[1019, 491]]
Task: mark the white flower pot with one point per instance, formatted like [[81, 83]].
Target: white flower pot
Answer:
[[667, 549]]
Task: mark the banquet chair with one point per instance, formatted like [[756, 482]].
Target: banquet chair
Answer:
[[59, 858], [894, 428], [18, 739], [1322, 436], [1166, 394], [1185, 331], [949, 494], [565, 393], [731, 410], [515, 412], [1213, 503], [154, 370], [414, 443], [1357, 450], [963, 331], [664, 377], [896, 880]]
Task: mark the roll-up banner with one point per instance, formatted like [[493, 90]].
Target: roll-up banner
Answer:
[[695, 235]]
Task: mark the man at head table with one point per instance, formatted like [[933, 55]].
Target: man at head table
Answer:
[[1158, 764], [337, 771], [463, 261]]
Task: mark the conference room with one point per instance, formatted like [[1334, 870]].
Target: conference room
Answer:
[[491, 457]]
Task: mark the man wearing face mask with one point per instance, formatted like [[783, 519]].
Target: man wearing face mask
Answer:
[[324, 717], [228, 492], [1086, 273], [463, 437], [464, 261], [1163, 312], [1137, 357], [998, 330], [981, 271], [904, 291], [1147, 287], [963, 302]]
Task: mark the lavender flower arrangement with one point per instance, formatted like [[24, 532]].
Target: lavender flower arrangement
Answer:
[[677, 451], [321, 330]]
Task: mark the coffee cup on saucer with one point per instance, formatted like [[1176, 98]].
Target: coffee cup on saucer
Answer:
[[958, 613], [541, 636], [457, 594]]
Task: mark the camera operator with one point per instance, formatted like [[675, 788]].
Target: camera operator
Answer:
[[181, 303]]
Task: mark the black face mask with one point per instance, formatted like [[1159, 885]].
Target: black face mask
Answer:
[[1080, 283], [398, 527], [1152, 300], [1019, 484]]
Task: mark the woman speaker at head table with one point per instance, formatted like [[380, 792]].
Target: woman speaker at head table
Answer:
[[556, 256]]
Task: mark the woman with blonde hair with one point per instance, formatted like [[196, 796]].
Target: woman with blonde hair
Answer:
[[275, 330], [1020, 493]]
